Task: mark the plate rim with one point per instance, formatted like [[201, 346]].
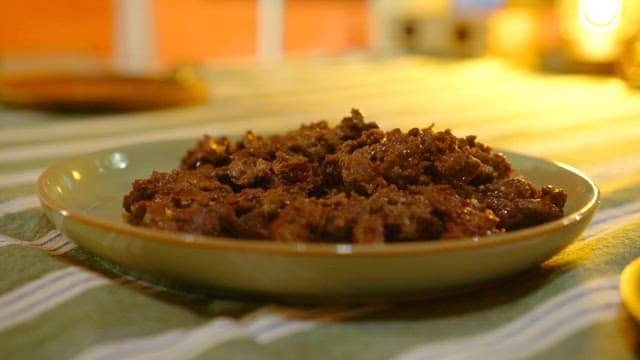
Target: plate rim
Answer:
[[317, 248]]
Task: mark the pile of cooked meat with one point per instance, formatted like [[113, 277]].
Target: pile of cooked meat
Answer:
[[352, 183]]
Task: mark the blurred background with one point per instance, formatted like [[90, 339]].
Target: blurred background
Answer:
[[138, 35], [143, 35]]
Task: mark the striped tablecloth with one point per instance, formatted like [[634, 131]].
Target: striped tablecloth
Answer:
[[58, 301]]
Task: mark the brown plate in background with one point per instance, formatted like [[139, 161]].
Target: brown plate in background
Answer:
[[104, 92]]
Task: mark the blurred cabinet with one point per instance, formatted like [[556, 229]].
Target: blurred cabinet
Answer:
[[179, 31], [325, 27], [36, 27]]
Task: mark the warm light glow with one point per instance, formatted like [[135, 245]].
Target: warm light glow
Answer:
[[512, 32], [76, 175], [600, 14], [621, 18], [597, 30]]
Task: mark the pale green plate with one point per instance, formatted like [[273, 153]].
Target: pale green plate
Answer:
[[83, 195]]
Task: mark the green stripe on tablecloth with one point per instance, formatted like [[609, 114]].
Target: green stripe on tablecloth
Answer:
[[21, 264], [593, 159], [119, 125], [8, 193], [198, 300], [32, 164], [600, 341], [263, 123], [25, 225], [605, 254], [98, 315], [470, 110], [558, 133], [461, 95], [124, 313], [621, 196], [21, 118], [246, 350]]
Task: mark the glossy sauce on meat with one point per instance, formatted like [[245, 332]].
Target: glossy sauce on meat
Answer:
[[351, 183]]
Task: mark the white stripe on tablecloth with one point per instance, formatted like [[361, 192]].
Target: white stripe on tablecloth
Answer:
[[605, 308], [71, 147], [272, 323], [6, 240], [67, 148], [54, 242], [264, 325], [546, 325], [564, 315], [555, 143], [51, 278], [613, 218], [217, 331], [39, 296], [20, 177], [95, 125], [19, 204], [611, 169]]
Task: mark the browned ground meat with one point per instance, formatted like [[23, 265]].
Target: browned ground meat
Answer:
[[350, 183]]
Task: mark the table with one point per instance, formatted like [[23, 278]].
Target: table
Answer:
[[58, 301]]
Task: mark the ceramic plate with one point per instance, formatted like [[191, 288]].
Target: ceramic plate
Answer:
[[83, 197]]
